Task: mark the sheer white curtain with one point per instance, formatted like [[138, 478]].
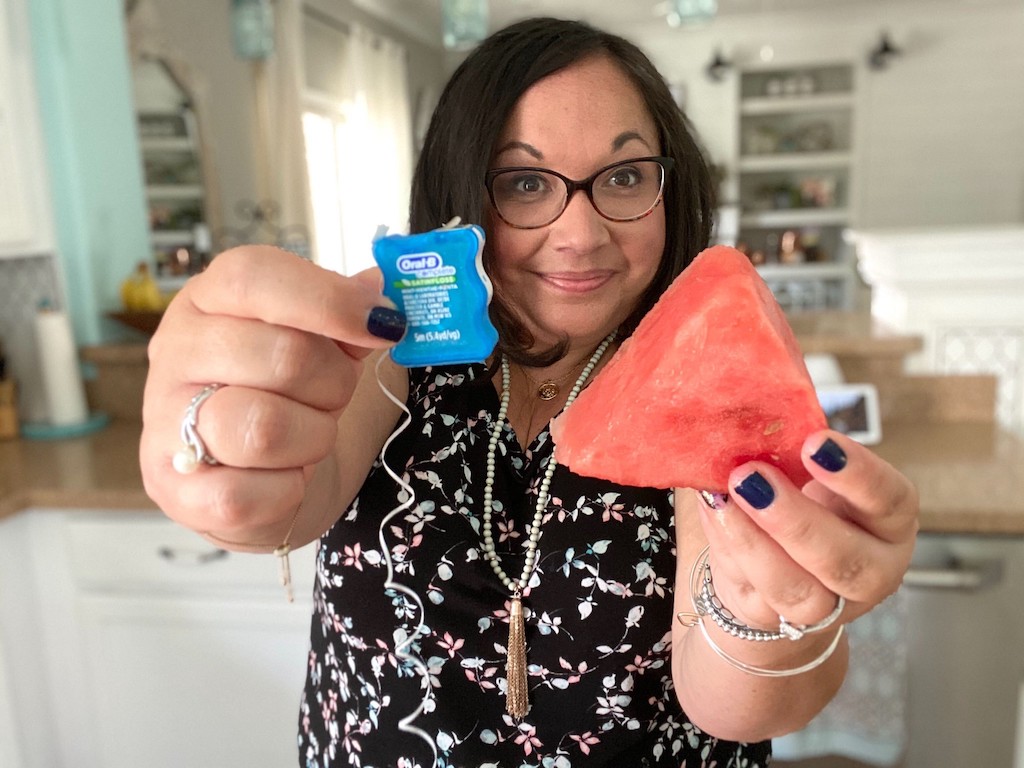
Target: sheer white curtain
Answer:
[[359, 150], [375, 148]]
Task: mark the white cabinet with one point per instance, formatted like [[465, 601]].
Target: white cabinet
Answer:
[[161, 650], [794, 181], [10, 750], [181, 681], [25, 227]]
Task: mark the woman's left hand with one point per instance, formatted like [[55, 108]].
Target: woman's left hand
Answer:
[[778, 550]]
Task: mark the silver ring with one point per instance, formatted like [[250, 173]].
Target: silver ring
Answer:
[[193, 451], [797, 631]]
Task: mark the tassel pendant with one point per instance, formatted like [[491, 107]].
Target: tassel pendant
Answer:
[[517, 702], [284, 570]]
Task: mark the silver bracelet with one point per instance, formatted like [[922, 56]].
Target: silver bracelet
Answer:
[[706, 602], [750, 669], [689, 619]]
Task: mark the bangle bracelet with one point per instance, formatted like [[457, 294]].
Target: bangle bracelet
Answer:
[[750, 669], [707, 603], [700, 607], [281, 551]]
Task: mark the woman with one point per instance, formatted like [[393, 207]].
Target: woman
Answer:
[[536, 137]]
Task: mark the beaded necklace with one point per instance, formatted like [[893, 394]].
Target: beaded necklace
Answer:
[[516, 693]]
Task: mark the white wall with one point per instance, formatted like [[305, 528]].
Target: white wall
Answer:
[[940, 132]]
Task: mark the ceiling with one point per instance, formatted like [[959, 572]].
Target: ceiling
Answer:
[[616, 14], [422, 18]]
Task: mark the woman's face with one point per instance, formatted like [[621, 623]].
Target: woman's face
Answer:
[[581, 275]]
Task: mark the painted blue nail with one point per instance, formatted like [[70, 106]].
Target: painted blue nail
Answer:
[[386, 323], [756, 490], [830, 456]]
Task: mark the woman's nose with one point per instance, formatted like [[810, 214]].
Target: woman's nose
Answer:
[[580, 227]]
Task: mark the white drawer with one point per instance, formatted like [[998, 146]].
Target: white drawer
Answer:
[[146, 551]]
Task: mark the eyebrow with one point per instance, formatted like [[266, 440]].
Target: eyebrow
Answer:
[[617, 143], [627, 136], [528, 148]]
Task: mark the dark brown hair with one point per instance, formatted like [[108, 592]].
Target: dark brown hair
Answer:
[[473, 110]]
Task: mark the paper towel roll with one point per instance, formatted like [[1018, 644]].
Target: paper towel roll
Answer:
[[58, 363]]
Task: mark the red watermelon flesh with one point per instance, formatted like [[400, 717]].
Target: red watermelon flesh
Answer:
[[711, 378]]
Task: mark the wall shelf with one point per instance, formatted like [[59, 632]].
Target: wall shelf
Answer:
[[796, 217], [174, 192], [794, 161], [166, 144], [771, 105]]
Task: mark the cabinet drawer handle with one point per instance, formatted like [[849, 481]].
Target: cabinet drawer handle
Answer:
[[956, 576], [191, 557]]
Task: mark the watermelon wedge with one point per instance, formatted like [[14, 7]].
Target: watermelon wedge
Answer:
[[711, 378]]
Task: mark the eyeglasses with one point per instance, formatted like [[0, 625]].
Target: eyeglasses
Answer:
[[528, 198]]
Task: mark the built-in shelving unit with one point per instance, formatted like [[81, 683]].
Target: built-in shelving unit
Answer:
[[174, 187], [794, 180], [175, 170]]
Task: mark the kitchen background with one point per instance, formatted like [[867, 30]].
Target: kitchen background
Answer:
[[933, 139], [886, 136]]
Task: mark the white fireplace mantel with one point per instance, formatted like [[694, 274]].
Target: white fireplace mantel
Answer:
[[990, 256]]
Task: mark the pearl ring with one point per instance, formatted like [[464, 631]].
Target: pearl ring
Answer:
[[193, 450]]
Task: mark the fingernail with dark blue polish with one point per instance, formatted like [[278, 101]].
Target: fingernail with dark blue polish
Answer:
[[756, 490], [386, 323], [714, 500], [830, 456]]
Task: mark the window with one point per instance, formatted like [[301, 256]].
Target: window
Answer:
[[357, 129]]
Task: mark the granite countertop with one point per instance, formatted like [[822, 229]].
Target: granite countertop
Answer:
[[970, 475], [98, 471]]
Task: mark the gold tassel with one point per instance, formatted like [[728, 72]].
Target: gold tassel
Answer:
[[517, 701], [284, 570]]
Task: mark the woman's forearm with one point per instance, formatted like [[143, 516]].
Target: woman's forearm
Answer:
[[739, 706]]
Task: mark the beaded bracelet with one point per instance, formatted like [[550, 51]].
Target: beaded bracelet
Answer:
[[706, 602]]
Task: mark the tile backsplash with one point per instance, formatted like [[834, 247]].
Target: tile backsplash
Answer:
[[24, 284]]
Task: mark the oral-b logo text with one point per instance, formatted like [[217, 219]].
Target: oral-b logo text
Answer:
[[424, 265]]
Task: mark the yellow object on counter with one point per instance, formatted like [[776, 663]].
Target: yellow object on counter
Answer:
[[8, 410], [141, 293]]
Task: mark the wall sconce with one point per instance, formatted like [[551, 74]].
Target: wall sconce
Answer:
[[718, 67], [682, 12], [463, 22], [252, 28], [880, 56]]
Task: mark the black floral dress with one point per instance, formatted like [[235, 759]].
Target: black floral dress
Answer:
[[598, 628]]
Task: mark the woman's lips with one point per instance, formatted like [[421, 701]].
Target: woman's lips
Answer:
[[577, 282]]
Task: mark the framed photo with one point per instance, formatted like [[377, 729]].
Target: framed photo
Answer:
[[853, 410]]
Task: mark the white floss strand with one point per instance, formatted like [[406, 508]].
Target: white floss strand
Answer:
[[405, 724]]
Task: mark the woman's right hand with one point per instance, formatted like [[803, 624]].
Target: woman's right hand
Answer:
[[287, 340]]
